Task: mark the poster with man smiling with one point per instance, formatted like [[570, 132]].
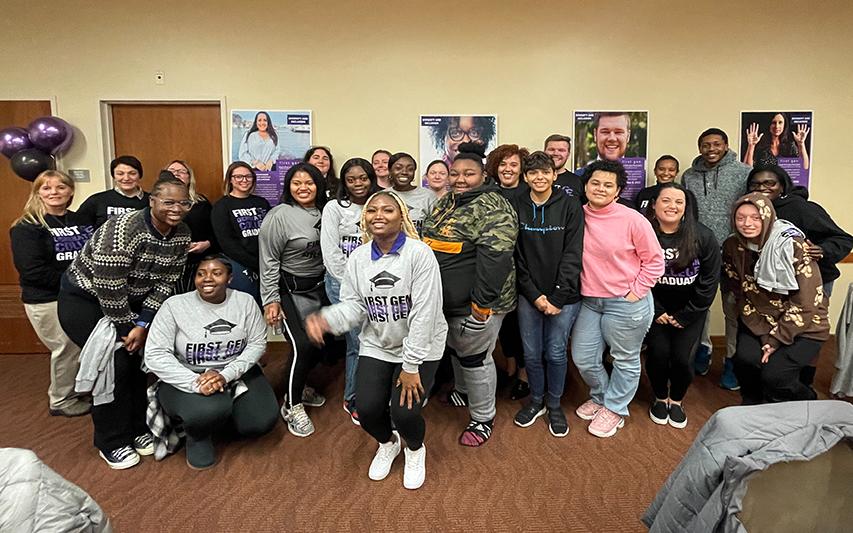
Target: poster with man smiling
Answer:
[[614, 135]]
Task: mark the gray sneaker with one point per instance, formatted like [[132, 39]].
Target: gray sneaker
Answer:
[[297, 420], [311, 398]]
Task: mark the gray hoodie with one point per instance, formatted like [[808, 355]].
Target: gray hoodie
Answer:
[[717, 189]]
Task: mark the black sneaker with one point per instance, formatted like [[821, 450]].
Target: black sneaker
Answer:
[[200, 454], [520, 391], [529, 414], [349, 407], [121, 458], [659, 412], [456, 398], [557, 422], [677, 417], [144, 444]]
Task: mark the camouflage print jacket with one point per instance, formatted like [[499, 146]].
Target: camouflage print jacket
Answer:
[[473, 236]]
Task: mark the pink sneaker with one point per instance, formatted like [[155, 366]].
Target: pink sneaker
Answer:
[[605, 423], [588, 410]]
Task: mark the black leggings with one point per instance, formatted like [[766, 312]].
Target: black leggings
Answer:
[[669, 358], [253, 413], [376, 386], [510, 339], [116, 423], [779, 379]]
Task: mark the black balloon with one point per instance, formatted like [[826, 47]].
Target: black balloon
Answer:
[[28, 164]]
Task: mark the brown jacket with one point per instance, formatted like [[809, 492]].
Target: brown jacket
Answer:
[[775, 318]]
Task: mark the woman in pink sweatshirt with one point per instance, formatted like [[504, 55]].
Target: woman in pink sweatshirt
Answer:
[[622, 261]]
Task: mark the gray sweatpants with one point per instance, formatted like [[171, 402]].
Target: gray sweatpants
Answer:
[[472, 343]]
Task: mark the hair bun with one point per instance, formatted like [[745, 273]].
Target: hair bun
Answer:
[[478, 149]]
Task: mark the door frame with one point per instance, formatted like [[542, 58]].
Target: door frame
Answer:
[[106, 134]]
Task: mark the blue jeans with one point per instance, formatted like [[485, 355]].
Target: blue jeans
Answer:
[[548, 336], [622, 325], [333, 291]]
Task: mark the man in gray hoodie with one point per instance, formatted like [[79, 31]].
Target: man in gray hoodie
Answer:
[[717, 178]]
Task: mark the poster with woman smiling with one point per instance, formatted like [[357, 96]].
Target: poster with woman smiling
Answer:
[[615, 135], [781, 138], [271, 142]]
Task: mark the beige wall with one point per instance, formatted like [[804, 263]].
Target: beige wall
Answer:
[[367, 69]]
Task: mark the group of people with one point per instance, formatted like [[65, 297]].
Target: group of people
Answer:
[[401, 279]]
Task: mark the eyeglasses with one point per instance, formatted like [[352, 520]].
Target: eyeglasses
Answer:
[[181, 171], [185, 205], [241, 177], [457, 134], [766, 184]]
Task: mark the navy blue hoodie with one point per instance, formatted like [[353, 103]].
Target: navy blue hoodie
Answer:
[[548, 254]]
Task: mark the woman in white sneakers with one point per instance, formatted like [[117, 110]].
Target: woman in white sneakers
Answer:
[[392, 287]]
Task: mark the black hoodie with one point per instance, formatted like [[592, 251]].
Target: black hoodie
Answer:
[[549, 251], [819, 228]]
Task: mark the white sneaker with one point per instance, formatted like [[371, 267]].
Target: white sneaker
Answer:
[[384, 458], [297, 420], [415, 471]]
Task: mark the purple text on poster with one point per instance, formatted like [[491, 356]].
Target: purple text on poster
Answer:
[[430, 121], [298, 120], [270, 184], [794, 167], [635, 167]]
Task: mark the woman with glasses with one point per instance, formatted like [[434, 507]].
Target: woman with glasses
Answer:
[[259, 147], [124, 273], [453, 131], [198, 220], [236, 220], [826, 242]]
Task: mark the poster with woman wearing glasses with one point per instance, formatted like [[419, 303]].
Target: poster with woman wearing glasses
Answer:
[[778, 138], [271, 142], [441, 135]]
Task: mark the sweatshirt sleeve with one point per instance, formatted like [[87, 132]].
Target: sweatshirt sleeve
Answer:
[[732, 255], [229, 240], [495, 246], [272, 240], [651, 257], [256, 331], [34, 268], [330, 241], [426, 310], [350, 312], [705, 287], [824, 232], [160, 355], [571, 263], [165, 286], [526, 286], [799, 310]]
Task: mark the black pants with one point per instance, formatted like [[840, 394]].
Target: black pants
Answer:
[[305, 354], [253, 413], [116, 423], [510, 339], [376, 386], [669, 358], [779, 379]]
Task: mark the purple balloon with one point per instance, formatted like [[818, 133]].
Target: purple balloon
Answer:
[[66, 144], [48, 133], [13, 140]]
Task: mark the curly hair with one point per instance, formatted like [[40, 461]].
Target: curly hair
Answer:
[[499, 154], [606, 165], [439, 132]]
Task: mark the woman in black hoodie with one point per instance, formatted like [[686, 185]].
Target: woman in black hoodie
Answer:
[[548, 258], [827, 243]]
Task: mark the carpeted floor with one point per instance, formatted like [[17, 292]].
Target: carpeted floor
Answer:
[[523, 479]]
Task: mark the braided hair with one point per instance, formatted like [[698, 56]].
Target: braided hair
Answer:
[[408, 227]]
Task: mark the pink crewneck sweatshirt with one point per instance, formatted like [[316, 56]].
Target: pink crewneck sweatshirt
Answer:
[[620, 253]]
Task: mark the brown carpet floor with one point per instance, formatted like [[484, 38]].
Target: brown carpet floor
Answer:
[[523, 479]]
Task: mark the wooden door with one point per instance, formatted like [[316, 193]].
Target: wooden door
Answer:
[[17, 334], [160, 133]]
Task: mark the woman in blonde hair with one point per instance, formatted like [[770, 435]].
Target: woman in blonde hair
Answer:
[[198, 220], [392, 287], [45, 239]]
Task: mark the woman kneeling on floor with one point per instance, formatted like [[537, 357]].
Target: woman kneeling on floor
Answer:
[[204, 346], [778, 290], [392, 287]]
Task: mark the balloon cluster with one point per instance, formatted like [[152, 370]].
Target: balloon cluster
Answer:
[[31, 149]]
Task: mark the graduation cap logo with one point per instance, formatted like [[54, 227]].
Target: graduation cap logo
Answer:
[[219, 327], [384, 280]]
